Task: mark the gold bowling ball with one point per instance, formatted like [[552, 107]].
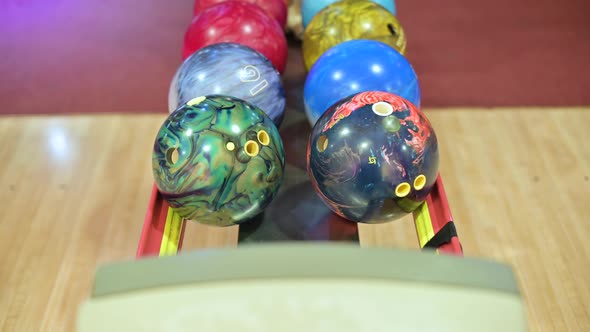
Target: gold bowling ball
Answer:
[[347, 20]]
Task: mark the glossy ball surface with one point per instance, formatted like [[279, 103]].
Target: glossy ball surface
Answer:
[[218, 160], [309, 8], [229, 69], [241, 23], [347, 20], [373, 157], [339, 73], [277, 9]]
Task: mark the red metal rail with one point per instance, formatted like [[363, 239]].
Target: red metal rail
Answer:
[[433, 222]]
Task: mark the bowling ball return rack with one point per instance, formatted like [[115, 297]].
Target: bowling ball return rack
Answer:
[[163, 230], [191, 289]]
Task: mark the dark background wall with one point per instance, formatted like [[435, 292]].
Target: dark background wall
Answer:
[[70, 56]]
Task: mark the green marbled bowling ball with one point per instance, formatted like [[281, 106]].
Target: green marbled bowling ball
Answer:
[[218, 160]]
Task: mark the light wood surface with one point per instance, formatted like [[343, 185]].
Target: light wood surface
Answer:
[[74, 193]]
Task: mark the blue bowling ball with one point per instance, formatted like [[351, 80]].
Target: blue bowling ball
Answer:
[[355, 66], [311, 7]]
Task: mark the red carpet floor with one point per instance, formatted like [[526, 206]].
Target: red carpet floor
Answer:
[[69, 56]]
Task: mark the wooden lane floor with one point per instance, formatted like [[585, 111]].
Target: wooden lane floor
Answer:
[[74, 192]]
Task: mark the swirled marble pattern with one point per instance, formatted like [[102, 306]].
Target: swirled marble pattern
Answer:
[[277, 9], [238, 22], [218, 160], [309, 8], [230, 69], [347, 20], [373, 157]]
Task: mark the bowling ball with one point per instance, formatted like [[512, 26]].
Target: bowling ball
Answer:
[[373, 157], [309, 8], [347, 20], [237, 22], [338, 73], [218, 160], [229, 69], [294, 25], [277, 9]]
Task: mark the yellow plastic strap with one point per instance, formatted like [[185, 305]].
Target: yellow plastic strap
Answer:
[[423, 224], [171, 236]]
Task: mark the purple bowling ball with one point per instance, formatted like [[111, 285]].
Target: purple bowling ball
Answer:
[[229, 69]]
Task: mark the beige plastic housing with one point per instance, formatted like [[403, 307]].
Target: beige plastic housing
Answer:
[[304, 287]]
